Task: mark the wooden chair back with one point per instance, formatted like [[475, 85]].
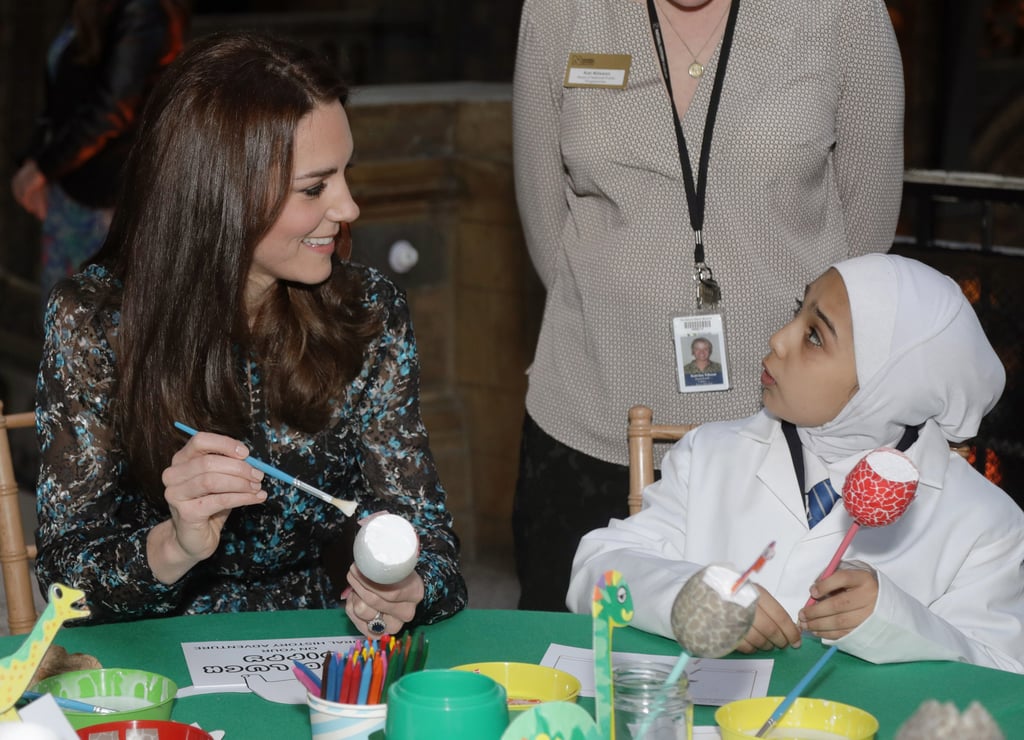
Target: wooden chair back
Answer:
[[15, 553], [642, 434]]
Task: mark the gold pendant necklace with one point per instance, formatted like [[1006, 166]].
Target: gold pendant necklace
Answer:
[[696, 69]]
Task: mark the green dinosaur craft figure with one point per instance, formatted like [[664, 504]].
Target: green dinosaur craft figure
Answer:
[[612, 607]]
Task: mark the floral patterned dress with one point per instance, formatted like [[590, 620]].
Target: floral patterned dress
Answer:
[[94, 521]]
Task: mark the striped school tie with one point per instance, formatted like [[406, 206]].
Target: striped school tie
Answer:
[[820, 500]]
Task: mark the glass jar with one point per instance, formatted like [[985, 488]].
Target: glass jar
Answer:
[[639, 692]]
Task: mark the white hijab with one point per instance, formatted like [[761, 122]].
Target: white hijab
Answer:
[[922, 359]]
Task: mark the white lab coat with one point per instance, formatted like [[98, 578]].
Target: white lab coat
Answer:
[[951, 585]]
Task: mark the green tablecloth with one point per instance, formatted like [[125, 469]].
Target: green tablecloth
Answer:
[[890, 692]]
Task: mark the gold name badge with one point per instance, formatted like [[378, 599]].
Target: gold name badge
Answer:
[[597, 70]]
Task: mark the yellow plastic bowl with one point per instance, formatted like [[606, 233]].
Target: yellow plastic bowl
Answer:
[[811, 719], [527, 684]]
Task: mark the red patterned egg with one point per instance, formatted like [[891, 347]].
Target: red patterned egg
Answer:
[[880, 487]]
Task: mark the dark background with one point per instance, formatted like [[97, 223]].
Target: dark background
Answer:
[[963, 61]]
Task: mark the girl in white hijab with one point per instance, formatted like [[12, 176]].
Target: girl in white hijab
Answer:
[[921, 358], [883, 351]]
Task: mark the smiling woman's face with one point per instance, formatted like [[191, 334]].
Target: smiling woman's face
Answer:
[[692, 4], [299, 245], [810, 372]]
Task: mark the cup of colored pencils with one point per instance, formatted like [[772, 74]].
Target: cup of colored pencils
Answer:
[[347, 695]]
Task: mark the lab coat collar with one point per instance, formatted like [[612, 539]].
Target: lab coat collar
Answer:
[[776, 473], [776, 468]]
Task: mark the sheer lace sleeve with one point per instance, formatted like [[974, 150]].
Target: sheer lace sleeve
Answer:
[[92, 527], [398, 466]]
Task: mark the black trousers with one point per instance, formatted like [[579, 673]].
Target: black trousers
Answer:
[[561, 494]]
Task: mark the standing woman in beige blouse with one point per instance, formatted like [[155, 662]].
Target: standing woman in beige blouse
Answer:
[[680, 164]]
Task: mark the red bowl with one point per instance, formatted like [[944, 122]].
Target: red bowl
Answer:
[[166, 730]]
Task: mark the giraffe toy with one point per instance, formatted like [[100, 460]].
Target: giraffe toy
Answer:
[[612, 607], [16, 670]]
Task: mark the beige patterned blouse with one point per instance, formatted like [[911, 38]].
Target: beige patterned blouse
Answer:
[[805, 169]]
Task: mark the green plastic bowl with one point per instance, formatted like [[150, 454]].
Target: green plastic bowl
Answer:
[[133, 694]]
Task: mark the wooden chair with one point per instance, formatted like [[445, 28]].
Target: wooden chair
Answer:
[[642, 434], [15, 554]]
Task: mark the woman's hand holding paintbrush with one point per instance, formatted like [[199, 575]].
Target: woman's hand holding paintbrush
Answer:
[[348, 508], [207, 478]]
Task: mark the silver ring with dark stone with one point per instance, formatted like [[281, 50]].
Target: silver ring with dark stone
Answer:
[[376, 624]]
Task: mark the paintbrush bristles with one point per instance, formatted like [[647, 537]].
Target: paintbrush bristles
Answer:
[[348, 508]]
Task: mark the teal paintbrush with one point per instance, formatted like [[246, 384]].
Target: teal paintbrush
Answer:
[[792, 695], [72, 705], [348, 508]]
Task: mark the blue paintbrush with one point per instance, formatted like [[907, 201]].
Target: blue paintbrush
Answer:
[[792, 695], [348, 508], [70, 704]]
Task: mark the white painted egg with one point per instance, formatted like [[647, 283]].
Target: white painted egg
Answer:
[[386, 548]]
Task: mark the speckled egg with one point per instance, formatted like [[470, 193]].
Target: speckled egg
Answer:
[[708, 620]]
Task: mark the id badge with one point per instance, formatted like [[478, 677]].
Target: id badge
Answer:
[[700, 353], [597, 70]]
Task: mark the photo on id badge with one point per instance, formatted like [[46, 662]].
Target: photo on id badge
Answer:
[[700, 353]]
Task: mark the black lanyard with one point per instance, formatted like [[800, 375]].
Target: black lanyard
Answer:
[[796, 450], [695, 194]]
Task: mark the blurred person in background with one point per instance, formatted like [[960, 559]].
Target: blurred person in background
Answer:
[[99, 70]]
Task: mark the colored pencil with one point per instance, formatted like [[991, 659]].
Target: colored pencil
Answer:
[[394, 671], [337, 674], [346, 679], [364, 681], [325, 676], [410, 660], [352, 687], [375, 681], [417, 655], [306, 677]]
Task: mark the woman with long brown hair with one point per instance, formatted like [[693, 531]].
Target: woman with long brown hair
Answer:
[[224, 299]]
